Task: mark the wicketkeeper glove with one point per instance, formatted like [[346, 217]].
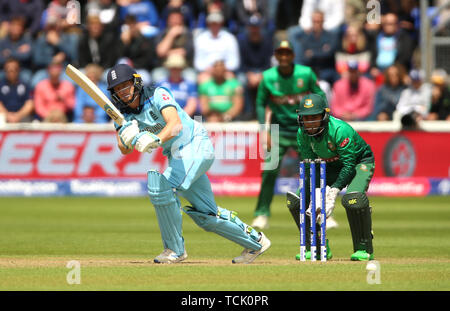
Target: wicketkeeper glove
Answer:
[[146, 142], [127, 132], [330, 200]]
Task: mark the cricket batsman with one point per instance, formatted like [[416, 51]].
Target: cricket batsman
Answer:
[[154, 119], [350, 163], [281, 89]]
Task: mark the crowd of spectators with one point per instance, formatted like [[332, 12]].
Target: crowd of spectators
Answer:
[[212, 53]]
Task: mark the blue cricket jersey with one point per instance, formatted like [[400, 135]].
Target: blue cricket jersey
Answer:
[[153, 101]]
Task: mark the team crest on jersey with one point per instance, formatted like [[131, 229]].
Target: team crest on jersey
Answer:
[[299, 83], [363, 167], [308, 103], [331, 146], [165, 96]]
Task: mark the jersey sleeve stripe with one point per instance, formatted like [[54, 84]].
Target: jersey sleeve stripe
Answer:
[[164, 107]]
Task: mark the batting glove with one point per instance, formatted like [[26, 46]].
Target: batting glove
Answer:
[[127, 133], [146, 142]]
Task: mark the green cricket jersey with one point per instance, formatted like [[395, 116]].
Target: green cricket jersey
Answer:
[[341, 146], [283, 94], [220, 95]]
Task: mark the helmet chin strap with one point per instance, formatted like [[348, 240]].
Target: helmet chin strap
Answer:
[[137, 84]]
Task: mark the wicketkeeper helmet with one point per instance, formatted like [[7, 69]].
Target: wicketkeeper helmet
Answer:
[[313, 104]]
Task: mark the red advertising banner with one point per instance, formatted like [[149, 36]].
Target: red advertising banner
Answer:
[[70, 155], [410, 153], [77, 154], [67, 155]]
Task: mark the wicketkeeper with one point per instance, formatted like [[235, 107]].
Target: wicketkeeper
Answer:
[[154, 119], [350, 163], [279, 93]]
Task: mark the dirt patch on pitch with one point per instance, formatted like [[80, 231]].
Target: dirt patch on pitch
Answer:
[[103, 262], [63, 262], [108, 262]]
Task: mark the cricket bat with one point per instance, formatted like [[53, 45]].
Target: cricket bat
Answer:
[[95, 93]]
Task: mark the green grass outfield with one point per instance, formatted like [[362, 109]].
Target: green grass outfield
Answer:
[[115, 241]]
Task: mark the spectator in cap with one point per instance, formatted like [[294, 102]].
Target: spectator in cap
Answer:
[[212, 44], [353, 96], [15, 95], [388, 95], [414, 103], [256, 48], [184, 91], [54, 98], [440, 96], [221, 99], [86, 109]]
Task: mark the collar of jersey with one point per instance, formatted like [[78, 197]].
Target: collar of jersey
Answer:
[[147, 101]]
